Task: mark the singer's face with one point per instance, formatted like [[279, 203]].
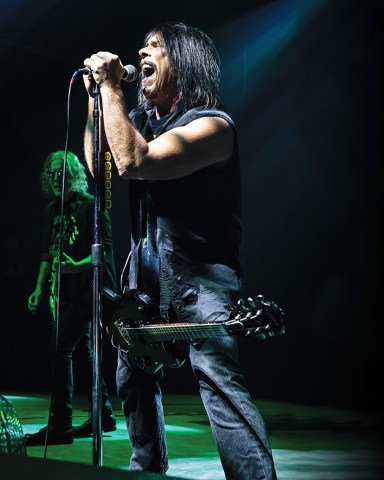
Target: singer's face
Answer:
[[157, 81]]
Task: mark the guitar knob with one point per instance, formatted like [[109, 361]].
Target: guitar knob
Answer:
[[260, 298]]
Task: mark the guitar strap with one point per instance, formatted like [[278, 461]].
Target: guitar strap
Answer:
[[151, 278]]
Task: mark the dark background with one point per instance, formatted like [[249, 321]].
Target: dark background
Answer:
[[302, 81]]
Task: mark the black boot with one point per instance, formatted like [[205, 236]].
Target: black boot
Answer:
[[108, 423], [56, 436]]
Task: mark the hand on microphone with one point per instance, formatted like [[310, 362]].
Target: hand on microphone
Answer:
[[129, 75], [107, 70]]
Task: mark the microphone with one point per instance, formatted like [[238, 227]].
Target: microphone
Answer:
[[129, 75]]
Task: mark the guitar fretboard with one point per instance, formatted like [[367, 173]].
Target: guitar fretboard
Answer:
[[171, 331]]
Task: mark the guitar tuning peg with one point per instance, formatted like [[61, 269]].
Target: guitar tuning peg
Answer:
[[241, 305], [260, 298], [251, 302]]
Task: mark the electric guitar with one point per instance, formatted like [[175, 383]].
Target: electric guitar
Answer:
[[69, 234], [134, 322]]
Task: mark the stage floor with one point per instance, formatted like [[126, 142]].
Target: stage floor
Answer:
[[308, 442]]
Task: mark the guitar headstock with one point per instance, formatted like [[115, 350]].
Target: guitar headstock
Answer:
[[257, 317]]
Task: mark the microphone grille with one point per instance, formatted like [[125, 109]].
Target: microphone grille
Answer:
[[130, 73]]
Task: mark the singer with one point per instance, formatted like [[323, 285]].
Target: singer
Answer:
[[178, 150]]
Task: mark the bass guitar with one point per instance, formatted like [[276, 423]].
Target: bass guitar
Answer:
[[134, 322]]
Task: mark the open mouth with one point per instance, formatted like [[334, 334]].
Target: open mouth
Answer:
[[147, 70]]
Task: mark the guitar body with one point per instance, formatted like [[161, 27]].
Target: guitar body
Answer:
[[132, 313], [150, 357], [135, 324]]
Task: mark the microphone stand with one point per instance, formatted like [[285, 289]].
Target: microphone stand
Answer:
[[97, 266]]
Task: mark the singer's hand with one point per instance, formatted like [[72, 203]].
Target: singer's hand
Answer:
[[106, 68]]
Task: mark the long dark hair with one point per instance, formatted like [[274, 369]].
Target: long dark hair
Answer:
[[195, 64]]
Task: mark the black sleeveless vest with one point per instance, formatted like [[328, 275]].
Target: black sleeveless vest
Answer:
[[198, 231]]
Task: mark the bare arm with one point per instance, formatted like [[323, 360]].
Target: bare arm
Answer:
[[68, 265], [36, 296], [88, 135], [174, 154]]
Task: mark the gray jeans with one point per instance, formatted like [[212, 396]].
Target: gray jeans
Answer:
[[237, 425]]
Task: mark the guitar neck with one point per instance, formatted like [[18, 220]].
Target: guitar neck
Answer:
[[173, 331]]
